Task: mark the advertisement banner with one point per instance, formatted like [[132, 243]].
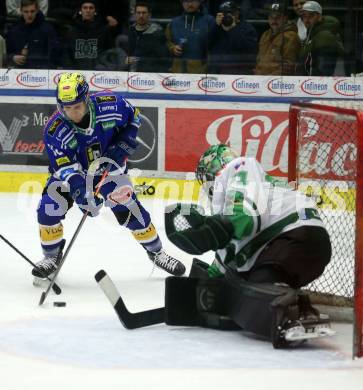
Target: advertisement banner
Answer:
[[198, 85], [262, 134], [21, 130], [21, 133], [327, 147]]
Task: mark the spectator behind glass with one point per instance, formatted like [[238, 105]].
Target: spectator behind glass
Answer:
[[147, 43], [301, 29], [32, 42], [187, 38], [232, 43], [279, 46], [88, 39], [13, 7], [323, 46]]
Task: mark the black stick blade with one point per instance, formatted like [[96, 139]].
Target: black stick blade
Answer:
[[128, 320], [42, 298], [57, 289], [100, 275]]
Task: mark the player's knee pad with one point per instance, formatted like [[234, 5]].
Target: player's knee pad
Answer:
[[122, 217], [51, 211], [133, 217]]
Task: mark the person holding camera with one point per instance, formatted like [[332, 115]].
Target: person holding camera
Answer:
[[233, 42]]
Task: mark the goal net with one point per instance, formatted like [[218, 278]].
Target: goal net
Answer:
[[326, 162]]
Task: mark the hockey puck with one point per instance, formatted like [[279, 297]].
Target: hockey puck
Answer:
[[59, 304]]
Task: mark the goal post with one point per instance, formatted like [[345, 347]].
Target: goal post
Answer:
[[325, 160]]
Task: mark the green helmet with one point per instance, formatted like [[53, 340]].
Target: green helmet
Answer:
[[212, 161]]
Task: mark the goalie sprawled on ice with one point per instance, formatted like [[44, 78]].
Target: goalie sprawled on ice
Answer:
[[269, 241]]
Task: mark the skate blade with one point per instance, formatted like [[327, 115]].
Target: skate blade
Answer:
[[300, 333]]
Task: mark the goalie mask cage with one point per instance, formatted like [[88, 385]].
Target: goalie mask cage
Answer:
[[326, 162]]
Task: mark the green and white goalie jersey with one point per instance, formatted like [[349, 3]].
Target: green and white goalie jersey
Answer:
[[260, 209]]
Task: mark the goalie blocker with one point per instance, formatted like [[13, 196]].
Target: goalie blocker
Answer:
[[278, 313]]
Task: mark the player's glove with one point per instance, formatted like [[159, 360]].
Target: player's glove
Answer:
[[87, 201], [195, 233], [124, 148]]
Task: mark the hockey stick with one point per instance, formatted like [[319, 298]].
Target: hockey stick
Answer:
[[55, 286], [128, 320], [79, 227]]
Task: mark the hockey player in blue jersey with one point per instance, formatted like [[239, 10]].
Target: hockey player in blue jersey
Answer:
[[84, 129]]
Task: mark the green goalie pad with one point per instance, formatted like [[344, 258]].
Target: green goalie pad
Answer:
[[191, 231]]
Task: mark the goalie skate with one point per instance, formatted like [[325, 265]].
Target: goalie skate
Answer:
[[306, 329]]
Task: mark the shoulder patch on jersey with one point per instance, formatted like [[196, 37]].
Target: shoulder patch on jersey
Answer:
[[106, 99], [54, 126]]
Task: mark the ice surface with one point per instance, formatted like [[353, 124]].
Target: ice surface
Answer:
[[84, 346]]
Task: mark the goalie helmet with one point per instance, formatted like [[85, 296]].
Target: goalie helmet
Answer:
[[212, 161]]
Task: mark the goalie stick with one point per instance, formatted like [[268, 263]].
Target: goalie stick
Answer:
[[128, 320], [55, 286]]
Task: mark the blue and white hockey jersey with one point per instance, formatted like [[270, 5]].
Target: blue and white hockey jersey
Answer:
[[72, 149]]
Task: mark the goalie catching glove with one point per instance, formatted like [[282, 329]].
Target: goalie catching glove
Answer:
[[195, 233]]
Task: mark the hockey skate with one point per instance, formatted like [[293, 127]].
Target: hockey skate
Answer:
[[167, 263], [46, 267], [303, 322]]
